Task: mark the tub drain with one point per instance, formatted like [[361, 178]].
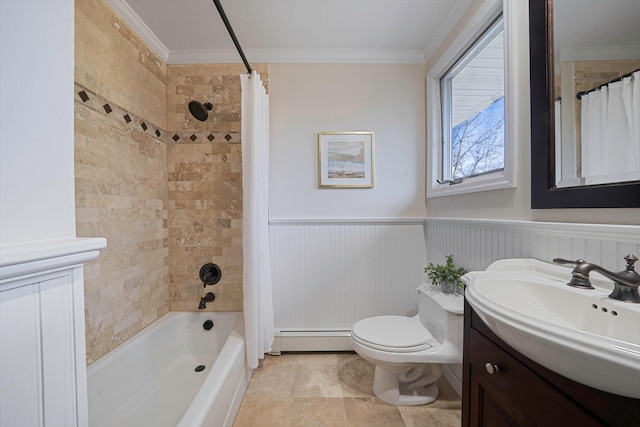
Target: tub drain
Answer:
[[199, 368]]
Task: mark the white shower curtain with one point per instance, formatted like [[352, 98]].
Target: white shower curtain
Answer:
[[256, 272], [610, 128]]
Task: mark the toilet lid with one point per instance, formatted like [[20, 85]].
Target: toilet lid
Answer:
[[392, 333]]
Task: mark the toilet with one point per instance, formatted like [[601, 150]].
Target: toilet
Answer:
[[408, 351]]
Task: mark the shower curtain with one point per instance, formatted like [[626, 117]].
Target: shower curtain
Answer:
[[258, 305], [610, 128]]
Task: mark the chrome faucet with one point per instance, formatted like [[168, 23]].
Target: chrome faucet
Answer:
[[625, 282]]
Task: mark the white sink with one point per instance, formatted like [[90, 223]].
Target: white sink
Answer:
[[578, 333]]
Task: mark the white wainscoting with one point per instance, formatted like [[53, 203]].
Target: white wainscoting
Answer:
[[328, 274], [477, 243], [42, 343]]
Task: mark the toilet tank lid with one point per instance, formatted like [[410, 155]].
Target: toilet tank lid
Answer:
[[453, 303]]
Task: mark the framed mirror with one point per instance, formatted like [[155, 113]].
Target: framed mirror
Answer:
[[559, 173]]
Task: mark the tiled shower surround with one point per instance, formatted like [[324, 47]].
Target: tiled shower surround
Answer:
[[162, 187], [205, 183]]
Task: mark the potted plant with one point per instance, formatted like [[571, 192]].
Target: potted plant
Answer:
[[446, 276]]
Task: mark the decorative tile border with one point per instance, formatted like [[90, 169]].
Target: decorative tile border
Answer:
[[204, 137], [103, 106], [109, 109]]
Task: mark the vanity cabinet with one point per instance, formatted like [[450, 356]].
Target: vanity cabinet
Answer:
[[502, 387]]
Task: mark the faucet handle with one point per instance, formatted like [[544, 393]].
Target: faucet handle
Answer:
[[563, 261], [631, 260]]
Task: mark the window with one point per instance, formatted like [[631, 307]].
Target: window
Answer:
[[472, 94], [470, 146]]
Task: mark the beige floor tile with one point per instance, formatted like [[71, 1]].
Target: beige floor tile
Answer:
[[355, 375], [371, 412], [317, 381], [264, 412], [274, 382], [333, 389], [429, 416], [302, 359], [320, 412]]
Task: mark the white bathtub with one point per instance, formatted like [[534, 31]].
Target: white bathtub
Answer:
[[150, 380]]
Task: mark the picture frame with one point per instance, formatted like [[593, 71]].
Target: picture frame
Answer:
[[346, 159]]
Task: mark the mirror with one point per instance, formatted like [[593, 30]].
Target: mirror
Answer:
[[571, 51]]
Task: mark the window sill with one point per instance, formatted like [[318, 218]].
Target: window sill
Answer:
[[495, 181]]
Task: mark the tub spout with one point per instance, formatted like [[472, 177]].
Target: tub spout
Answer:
[[209, 297]]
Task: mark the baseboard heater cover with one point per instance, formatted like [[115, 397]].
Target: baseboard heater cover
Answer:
[[311, 340]]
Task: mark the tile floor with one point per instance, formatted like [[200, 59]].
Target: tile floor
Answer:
[[332, 389]]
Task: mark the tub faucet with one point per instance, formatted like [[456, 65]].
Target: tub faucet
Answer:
[[209, 297], [625, 282]]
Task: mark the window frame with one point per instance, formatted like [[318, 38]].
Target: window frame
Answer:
[[506, 178]]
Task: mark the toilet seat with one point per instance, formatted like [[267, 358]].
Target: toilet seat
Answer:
[[396, 334]]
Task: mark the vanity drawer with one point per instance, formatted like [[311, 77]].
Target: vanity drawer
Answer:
[[513, 394]]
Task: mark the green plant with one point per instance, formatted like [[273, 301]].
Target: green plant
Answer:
[[447, 273]]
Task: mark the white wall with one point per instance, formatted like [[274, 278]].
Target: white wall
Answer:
[[309, 98], [36, 120]]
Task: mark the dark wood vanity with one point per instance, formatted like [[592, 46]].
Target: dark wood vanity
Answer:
[[520, 392]]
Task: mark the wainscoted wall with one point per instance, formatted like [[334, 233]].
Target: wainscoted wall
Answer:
[[328, 274], [205, 183], [477, 243]]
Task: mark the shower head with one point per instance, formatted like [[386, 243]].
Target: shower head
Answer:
[[200, 111]]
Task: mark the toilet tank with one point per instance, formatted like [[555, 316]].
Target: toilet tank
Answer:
[[441, 314]]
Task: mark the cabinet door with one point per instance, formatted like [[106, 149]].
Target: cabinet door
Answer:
[[506, 393], [489, 407]]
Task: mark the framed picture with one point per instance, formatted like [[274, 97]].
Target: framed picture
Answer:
[[345, 159]]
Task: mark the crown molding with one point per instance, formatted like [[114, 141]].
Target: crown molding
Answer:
[[600, 53], [347, 56], [132, 19], [452, 18]]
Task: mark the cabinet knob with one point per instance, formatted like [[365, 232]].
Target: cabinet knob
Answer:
[[491, 368]]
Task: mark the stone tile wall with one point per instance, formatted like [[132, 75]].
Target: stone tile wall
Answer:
[[120, 176], [121, 193], [205, 183], [112, 61]]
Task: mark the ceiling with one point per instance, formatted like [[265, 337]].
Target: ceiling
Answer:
[[377, 31], [592, 30]]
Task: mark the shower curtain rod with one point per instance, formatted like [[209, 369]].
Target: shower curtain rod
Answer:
[[232, 34], [579, 95]]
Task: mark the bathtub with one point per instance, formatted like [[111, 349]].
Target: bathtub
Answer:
[[151, 380]]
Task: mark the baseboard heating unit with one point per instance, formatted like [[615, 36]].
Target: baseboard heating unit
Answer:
[[311, 340]]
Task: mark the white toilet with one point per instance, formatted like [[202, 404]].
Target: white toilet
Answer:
[[408, 351]]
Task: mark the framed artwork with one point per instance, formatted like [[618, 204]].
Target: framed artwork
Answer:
[[345, 159]]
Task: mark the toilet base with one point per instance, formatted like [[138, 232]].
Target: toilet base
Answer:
[[418, 390]]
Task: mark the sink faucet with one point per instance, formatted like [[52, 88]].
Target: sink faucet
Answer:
[[625, 282], [209, 297]]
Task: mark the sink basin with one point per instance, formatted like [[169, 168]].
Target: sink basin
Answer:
[[578, 333]]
